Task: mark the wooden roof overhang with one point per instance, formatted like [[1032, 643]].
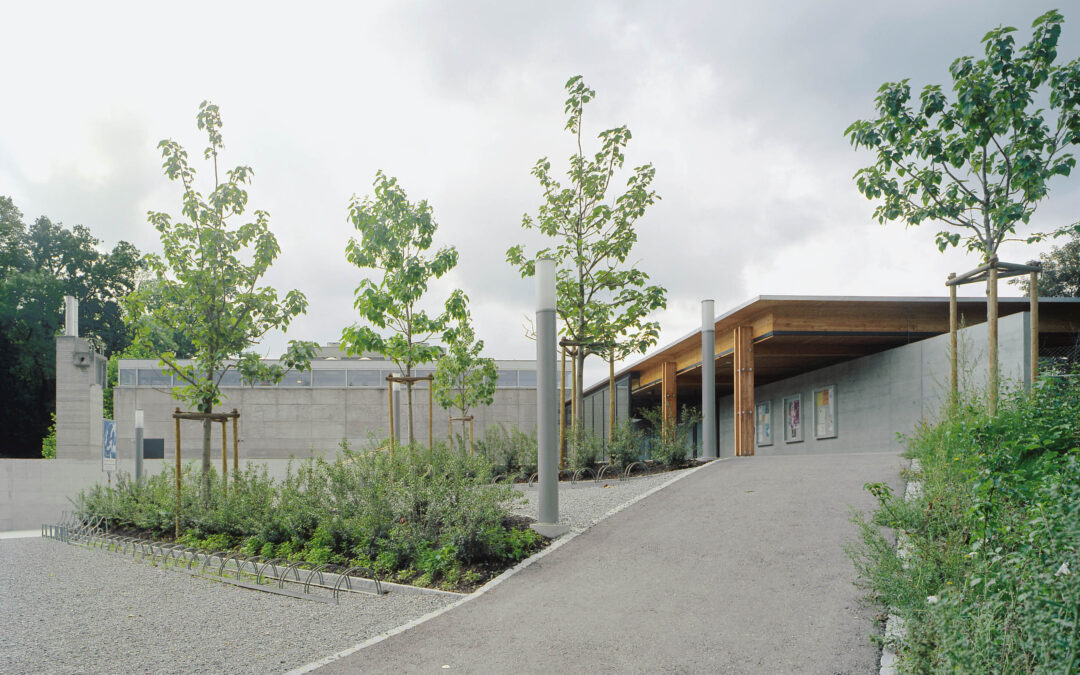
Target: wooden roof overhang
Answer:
[[793, 335]]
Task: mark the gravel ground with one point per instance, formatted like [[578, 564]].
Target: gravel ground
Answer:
[[70, 609], [583, 504]]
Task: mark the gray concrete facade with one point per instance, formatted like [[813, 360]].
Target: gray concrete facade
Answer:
[[889, 393], [312, 420], [80, 376]]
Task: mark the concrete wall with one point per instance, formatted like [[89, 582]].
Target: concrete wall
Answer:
[[889, 393], [302, 422], [79, 378]]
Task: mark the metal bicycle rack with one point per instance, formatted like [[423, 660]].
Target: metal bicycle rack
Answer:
[[254, 572]]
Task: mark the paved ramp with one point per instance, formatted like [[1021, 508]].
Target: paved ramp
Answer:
[[738, 568]]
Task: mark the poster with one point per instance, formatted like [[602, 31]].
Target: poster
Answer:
[[793, 418], [825, 412], [763, 423], [108, 445]]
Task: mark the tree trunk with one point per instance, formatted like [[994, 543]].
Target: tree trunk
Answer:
[[579, 388]]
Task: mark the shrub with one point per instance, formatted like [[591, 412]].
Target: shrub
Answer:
[[990, 580], [586, 448], [626, 445], [422, 511], [669, 443]]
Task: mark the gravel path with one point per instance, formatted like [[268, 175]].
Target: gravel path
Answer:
[[69, 609]]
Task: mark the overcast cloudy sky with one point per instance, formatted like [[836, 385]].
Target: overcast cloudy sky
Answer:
[[741, 107]]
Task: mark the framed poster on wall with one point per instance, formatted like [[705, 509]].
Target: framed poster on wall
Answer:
[[825, 412], [793, 418], [763, 423]]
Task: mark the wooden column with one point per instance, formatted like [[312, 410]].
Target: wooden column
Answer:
[[611, 397], [671, 401], [1033, 291], [744, 391], [176, 531], [235, 442], [224, 455], [562, 411], [954, 385], [992, 329]]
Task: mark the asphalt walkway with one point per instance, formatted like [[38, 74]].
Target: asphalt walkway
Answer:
[[737, 568]]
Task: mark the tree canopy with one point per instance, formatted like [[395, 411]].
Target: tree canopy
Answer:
[[600, 298], [464, 378], [207, 283], [979, 160], [395, 236], [39, 265], [1060, 276]]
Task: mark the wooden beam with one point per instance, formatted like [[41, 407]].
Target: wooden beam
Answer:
[[744, 391], [669, 397]]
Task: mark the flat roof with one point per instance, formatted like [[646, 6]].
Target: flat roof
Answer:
[[797, 333]]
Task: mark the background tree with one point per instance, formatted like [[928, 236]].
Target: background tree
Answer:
[[39, 265], [598, 296], [463, 378], [206, 284], [394, 238], [1060, 276], [978, 162]]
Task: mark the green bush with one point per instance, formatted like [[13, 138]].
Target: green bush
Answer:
[[585, 448], [429, 512], [510, 452], [991, 582], [48, 444], [670, 444], [626, 445]]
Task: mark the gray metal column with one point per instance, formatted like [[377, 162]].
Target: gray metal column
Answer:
[[138, 444], [547, 437], [708, 379]]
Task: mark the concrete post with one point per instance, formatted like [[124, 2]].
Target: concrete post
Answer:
[[708, 379], [71, 316], [546, 438], [138, 444]]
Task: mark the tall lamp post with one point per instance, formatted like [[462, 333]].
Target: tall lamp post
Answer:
[[546, 436]]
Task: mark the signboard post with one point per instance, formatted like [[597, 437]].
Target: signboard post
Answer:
[[108, 448]]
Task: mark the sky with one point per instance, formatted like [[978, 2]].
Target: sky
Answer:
[[741, 108]]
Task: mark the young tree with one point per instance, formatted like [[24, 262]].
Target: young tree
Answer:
[[463, 378], [599, 297], [978, 162], [207, 283], [395, 234]]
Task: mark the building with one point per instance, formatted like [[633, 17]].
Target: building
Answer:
[[831, 374]]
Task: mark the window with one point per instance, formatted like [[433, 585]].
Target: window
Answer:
[[126, 377], [231, 379], [365, 378], [507, 378], [296, 379], [328, 378], [152, 377], [527, 378]]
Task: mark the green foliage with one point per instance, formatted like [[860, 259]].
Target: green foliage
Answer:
[[48, 444], [463, 378], [394, 236], [39, 265], [599, 298], [586, 448], [989, 582], [510, 452], [670, 442], [978, 161], [430, 513], [207, 282], [626, 445], [1060, 276]]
